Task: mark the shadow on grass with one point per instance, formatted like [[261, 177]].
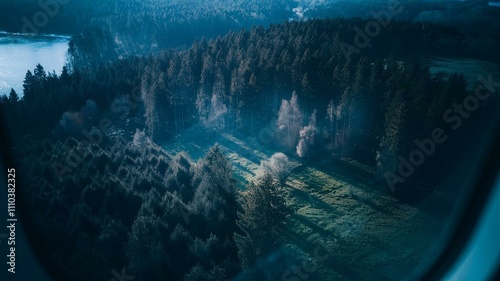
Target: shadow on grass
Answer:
[[369, 202], [237, 146], [305, 221], [241, 167], [306, 198]]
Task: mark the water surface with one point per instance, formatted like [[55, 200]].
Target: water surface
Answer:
[[20, 53]]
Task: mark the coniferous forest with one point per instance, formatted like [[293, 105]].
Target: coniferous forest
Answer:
[[247, 140]]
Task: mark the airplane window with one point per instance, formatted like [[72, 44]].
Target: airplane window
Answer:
[[248, 140]]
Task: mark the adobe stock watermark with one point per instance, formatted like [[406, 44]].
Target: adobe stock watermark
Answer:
[[372, 29], [453, 116], [49, 9], [310, 265]]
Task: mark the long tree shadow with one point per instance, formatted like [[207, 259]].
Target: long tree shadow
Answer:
[[365, 199], [374, 186], [306, 198], [238, 146], [303, 220], [352, 175], [242, 167], [369, 202]]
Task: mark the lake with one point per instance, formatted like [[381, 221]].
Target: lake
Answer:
[[20, 53]]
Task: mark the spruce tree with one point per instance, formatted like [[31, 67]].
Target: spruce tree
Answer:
[[263, 216]]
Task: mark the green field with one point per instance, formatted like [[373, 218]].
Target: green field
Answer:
[[369, 234]]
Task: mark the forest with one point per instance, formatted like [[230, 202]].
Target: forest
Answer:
[[103, 190], [141, 27]]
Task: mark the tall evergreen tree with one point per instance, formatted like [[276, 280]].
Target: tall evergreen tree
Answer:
[[215, 194], [13, 97], [263, 217]]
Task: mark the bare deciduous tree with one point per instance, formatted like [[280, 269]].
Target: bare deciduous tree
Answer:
[[307, 137], [289, 122]]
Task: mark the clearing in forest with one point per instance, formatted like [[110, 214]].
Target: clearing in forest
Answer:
[[370, 235]]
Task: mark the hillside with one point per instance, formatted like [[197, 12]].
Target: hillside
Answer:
[[250, 156]]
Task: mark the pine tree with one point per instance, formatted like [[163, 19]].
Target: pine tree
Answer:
[[28, 85], [13, 97], [215, 194], [392, 137], [145, 248], [264, 214]]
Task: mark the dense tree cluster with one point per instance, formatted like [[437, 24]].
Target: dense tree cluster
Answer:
[[131, 205], [117, 28], [369, 108], [159, 23], [169, 17], [102, 194], [127, 27]]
